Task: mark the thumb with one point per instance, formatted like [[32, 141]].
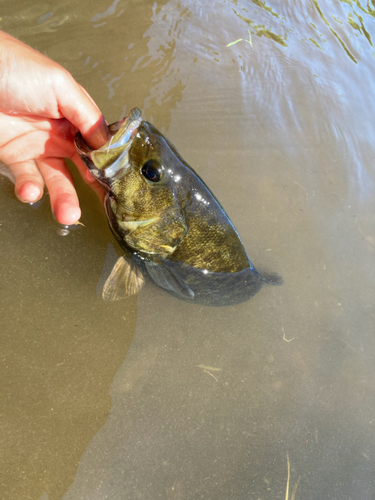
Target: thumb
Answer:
[[80, 109]]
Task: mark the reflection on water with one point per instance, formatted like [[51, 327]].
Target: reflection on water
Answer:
[[205, 403]]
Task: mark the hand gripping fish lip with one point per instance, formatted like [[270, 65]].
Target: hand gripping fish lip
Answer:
[[107, 161]]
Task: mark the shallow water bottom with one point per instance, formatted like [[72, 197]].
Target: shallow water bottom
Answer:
[[153, 397]]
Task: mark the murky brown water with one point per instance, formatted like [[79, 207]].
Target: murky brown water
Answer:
[[153, 397]]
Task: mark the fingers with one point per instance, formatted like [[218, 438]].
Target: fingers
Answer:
[[29, 185], [29, 181], [64, 200], [88, 177]]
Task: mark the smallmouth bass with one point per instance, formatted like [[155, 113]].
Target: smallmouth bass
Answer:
[[170, 226]]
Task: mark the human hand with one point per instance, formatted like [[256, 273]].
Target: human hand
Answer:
[[41, 109]]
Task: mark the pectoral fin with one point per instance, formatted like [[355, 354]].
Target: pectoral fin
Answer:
[[125, 279], [167, 279]]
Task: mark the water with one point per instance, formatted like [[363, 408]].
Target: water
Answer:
[[154, 397]]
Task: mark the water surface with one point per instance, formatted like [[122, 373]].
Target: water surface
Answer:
[[153, 397]]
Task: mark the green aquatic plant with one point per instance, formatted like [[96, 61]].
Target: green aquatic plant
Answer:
[[242, 39]]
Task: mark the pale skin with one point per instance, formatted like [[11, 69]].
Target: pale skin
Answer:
[[42, 107]]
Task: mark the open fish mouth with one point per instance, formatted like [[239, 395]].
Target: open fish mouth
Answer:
[[110, 159]]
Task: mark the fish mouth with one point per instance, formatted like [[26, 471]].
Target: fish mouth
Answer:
[[107, 161]]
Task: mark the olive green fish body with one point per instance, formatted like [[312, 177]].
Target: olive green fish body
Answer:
[[170, 225]]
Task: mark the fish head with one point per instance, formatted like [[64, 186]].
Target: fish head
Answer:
[[139, 171]]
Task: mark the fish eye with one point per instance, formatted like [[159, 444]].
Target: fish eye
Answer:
[[152, 170]]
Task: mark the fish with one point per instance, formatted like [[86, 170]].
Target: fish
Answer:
[[170, 226]]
